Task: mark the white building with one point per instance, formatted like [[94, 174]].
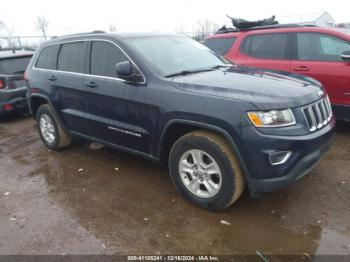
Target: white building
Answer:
[[322, 19]]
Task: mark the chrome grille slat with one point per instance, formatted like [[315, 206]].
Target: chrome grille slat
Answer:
[[319, 117], [318, 114], [323, 112], [325, 107]]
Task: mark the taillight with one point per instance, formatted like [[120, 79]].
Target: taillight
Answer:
[[8, 107], [2, 84]]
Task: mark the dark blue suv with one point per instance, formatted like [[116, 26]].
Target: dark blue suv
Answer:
[[218, 126]]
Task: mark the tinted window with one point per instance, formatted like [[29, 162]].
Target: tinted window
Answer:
[[48, 57], [72, 57], [320, 47], [270, 46], [220, 45], [104, 57], [14, 66]]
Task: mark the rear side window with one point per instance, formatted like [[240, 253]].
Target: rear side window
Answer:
[[72, 57], [269, 46], [220, 45], [104, 57], [14, 66], [48, 57], [320, 47]]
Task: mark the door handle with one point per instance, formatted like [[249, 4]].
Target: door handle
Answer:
[[301, 68], [91, 84], [52, 78]]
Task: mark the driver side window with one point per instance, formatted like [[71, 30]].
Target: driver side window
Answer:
[[104, 57]]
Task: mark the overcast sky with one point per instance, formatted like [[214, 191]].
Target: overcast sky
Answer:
[[72, 16]]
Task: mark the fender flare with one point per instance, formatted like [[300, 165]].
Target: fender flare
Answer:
[[51, 106], [216, 129]]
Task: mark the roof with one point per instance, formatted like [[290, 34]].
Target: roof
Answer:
[[10, 53], [306, 18], [134, 35], [96, 34], [264, 27], [99, 33], [299, 28]]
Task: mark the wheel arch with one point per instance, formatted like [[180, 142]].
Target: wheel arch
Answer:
[[167, 139], [36, 100]]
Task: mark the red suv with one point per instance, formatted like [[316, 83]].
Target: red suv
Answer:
[[323, 54]]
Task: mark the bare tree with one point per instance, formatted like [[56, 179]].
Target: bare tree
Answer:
[[2, 26], [204, 28], [181, 30], [42, 25], [112, 28]]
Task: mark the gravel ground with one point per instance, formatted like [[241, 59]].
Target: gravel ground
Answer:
[[88, 200]]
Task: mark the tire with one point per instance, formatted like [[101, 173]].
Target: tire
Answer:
[[59, 138], [217, 156]]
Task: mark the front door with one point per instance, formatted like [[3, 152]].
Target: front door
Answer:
[[319, 56], [114, 108]]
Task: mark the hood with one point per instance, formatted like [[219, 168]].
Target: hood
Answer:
[[266, 89]]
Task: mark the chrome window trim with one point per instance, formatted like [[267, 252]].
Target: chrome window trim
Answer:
[[84, 74]]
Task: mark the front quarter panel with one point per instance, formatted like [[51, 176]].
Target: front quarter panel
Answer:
[[170, 104]]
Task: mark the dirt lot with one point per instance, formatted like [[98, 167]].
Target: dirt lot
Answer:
[[86, 201]]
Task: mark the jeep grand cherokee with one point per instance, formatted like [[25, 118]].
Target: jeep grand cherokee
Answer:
[[170, 99]]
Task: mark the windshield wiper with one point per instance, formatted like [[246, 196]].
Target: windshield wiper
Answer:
[[222, 66], [187, 72]]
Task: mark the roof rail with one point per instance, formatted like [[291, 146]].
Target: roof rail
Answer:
[[84, 33], [225, 30], [98, 32]]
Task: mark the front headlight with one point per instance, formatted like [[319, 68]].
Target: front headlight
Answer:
[[273, 118]]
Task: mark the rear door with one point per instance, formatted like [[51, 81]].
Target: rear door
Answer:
[[269, 50], [115, 109], [67, 84], [319, 56]]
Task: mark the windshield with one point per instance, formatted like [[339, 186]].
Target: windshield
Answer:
[[176, 54]]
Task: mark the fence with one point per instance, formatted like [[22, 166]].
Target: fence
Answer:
[[21, 42]]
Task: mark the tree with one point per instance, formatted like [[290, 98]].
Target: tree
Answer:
[[181, 30], [112, 28], [42, 25], [2, 26], [204, 28]]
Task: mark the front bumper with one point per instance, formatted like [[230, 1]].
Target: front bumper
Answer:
[[307, 151]]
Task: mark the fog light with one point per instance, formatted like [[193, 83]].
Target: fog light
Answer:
[[279, 157], [8, 107]]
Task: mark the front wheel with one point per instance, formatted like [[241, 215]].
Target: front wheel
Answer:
[[205, 170]]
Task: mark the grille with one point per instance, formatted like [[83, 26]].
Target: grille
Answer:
[[318, 114]]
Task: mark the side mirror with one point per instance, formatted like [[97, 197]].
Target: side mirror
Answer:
[[127, 72], [346, 56]]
